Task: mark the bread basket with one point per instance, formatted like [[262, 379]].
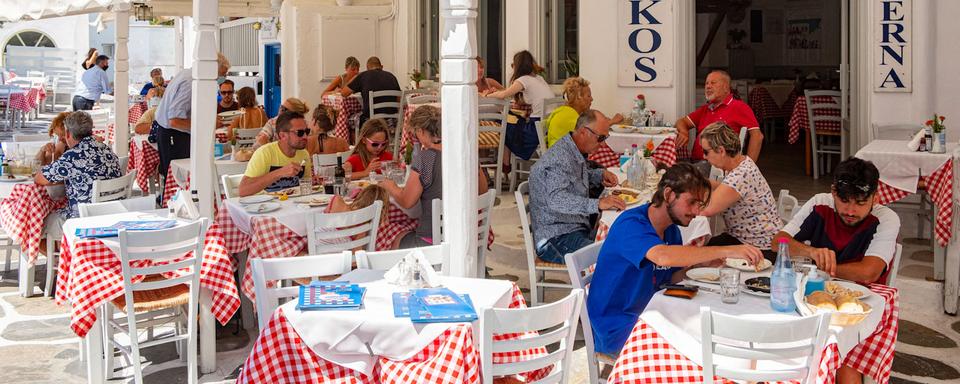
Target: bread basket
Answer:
[[843, 319]]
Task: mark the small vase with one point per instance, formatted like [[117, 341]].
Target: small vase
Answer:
[[939, 142]]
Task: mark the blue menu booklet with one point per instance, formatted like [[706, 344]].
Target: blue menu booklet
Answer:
[[438, 305], [320, 295], [114, 230], [401, 303]]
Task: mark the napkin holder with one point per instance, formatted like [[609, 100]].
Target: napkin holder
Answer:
[[428, 276], [181, 205]]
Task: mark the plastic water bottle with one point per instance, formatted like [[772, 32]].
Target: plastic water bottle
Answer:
[[815, 281], [783, 281]]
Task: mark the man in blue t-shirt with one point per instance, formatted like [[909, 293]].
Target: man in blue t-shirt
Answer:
[[644, 250]]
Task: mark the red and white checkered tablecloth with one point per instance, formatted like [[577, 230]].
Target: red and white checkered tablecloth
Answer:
[[22, 215], [136, 110], [665, 154], [763, 104], [346, 108], [89, 274], [145, 159], [280, 356], [800, 122], [170, 185], [20, 101], [939, 185], [648, 358], [106, 134]]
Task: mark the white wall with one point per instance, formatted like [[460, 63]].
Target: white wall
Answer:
[[70, 32]]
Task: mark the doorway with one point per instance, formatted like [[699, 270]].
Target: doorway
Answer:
[[271, 79]]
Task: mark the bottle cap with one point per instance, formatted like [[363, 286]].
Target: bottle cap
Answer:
[[813, 271], [782, 240]]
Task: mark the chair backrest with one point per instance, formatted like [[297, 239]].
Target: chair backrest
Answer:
[[24, 137], [541, 139], [322, 160], [786, 205], [781, 339], [335, 232], [895, 131], [231, 185], [552, 103], [137, 204], [246, 137], [124, 161], [815, 101], [557, 322], [523, 197], [113, 189], [894, 267], [387, 99], [437, 255], [288, 268], [101, 117], [485, 205], [486, 107], [161, 248], [580, 268]]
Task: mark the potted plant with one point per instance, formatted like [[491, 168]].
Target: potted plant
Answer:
[[416, 77], [939, 134]]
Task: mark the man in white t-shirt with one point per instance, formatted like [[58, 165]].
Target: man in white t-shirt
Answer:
[[850, 236]]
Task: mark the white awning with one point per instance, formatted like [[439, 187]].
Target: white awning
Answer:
[[13, 10]]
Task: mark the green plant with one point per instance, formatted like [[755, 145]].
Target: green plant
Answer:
[[434, 67], [570, 65], [416, 76]]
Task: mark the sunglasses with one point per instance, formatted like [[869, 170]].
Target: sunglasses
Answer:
[[226, 93], [301, 132], [600, 138], [376, 144]]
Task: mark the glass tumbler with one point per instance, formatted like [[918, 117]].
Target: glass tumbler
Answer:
[[729, 285]]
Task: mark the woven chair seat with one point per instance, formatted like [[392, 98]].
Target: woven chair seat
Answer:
[[155, 299], [546, 264], [606, 358]]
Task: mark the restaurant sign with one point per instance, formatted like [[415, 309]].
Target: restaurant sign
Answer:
[[893, 44], [645, 43]]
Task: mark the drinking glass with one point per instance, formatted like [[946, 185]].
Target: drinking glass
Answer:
[[306, 185], [729, 285], [801, 264]]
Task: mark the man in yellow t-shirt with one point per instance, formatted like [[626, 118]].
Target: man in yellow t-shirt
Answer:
[[280, 164]]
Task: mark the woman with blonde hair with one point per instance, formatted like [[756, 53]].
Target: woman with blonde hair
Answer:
[[321, 123], [563, 120], [351, 70], [253, 115], [269, 131], [363, 199], [156, 92], [371, 148], [52, 151]]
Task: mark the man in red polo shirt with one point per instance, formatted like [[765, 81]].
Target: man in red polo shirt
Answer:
[[720, 106]]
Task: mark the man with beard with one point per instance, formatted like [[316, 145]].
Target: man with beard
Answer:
[[280, 164], [92, 84], [644, 250], [850, 236]]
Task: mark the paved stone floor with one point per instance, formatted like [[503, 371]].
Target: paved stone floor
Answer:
[[36, 345]]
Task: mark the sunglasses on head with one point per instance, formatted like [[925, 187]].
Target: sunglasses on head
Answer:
[[376, 144]]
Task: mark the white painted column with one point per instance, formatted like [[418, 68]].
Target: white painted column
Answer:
[[459, 97], [121, 81], [203, 122], [178, 43]]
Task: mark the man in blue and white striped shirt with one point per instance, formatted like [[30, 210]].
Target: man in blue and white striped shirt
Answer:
[[93, 83]]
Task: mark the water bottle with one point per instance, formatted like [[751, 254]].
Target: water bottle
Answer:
[[3, 161], [624, 157], [783, 281], [815, 281]]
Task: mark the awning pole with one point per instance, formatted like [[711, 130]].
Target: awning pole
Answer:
[[121, 81]]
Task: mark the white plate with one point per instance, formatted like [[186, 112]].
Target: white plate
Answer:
[[864, 292], [705, 275], [14, 179], [262, 208], [742, 265], [637, 200], [744, 289], [230, 114], [315, 201], [620, 128], [256, 199]]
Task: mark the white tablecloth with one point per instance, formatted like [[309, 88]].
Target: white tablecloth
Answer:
[[343, 337], [291, 214], [900, 167], [678, 320], [619, 141], [70, 226]]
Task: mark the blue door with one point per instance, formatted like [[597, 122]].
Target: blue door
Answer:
[[271, 79]]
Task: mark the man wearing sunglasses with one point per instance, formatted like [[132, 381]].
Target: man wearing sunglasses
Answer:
[[227, 101], [280, 164], [563, 215]]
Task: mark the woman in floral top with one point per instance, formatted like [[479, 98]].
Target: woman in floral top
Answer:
[[743, 196]]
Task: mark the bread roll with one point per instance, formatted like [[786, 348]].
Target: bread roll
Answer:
[[849, 304], [822, 301]]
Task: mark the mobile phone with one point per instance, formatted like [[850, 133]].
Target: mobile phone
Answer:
[[691, 288]]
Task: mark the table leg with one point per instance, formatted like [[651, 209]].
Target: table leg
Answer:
[[952, 276], [26, 275], [94, 352], [806, 153], [207, 333]]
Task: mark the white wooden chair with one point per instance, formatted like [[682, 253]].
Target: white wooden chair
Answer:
[[25, 137], [524, 166], [895, 267], [552, 103], [786, 206], [485, 204], [799, 340], [328, 160], [137, 204], [113, 189], [8, 246], [124, 161], [335, 232], [821, 146], [156, 297], [290, 268], [230, 185], [491, 121], [387, 100], [246, 138], [437, 255], [537, 267], [580, 267], [917, 203], [559, 317]]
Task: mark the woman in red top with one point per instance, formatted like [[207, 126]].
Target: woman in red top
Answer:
[[371, 149]]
